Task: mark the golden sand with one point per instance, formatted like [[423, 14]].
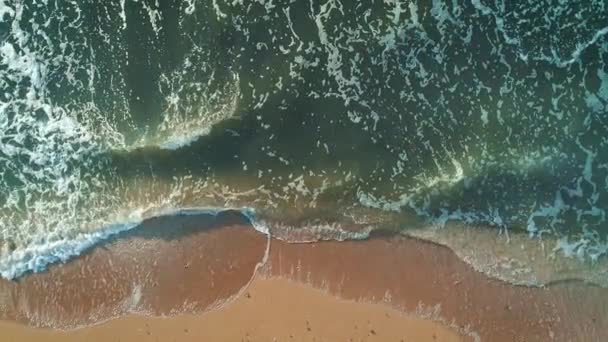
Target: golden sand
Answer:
[[270, 310]]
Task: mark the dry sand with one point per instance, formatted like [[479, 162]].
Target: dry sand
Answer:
[[270, 310]]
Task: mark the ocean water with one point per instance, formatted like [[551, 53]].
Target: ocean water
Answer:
[[322, 119]]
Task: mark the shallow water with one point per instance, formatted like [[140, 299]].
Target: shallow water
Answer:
[[337, 115]]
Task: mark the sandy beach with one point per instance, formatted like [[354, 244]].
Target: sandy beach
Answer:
[[270, 310], [303, 170], [197, 278]]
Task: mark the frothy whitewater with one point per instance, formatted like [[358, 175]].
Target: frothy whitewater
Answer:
[[334, 116]]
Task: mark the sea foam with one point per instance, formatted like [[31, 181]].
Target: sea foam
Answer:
[[44, 252]]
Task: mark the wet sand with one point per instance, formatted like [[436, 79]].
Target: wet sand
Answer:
[[168, 266], [270, 310], [197, 269], [429, 280]]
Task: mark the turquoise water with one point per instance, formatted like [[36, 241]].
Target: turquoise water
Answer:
[[325, 114]]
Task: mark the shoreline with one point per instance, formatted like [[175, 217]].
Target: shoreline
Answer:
[[220, 257], [514, 258]]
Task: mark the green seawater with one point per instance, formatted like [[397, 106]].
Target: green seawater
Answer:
[[325, 114]]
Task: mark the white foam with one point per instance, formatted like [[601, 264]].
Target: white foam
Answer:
[[185, 141], [123, 14], [588, 246], [582, 47], [218, 12], [181, 128], [481, 7], [5, 9], [36, 257], [48, 250]]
